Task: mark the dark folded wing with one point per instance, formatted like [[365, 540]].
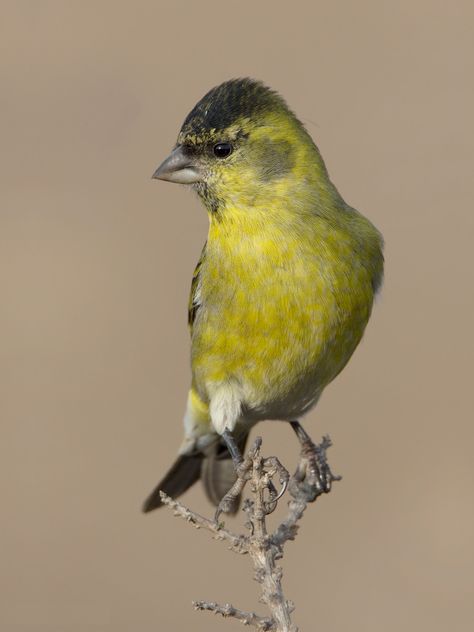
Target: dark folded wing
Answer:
[[195, 294]]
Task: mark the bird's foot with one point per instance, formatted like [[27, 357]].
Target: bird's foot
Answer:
[[244, 469], [313, 474], [273, 467]]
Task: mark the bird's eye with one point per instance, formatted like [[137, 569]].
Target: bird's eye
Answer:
[[222, 150]]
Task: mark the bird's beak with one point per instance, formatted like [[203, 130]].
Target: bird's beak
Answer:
[[179, 168]]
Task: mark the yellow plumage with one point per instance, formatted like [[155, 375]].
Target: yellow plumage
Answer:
[[285, 284]]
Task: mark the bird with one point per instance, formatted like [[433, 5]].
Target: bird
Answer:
[[283, 289]]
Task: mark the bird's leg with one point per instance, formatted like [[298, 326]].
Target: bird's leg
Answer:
[[233, 448], [243, 470], [313, 474]]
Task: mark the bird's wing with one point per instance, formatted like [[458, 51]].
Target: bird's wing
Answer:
[[195, 294]]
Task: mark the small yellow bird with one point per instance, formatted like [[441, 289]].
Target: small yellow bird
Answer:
[[285, 283]]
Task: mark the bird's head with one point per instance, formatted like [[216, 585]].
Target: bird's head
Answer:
[[239, 144]]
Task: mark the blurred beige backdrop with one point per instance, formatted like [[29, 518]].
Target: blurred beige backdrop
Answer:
[[96, 262]]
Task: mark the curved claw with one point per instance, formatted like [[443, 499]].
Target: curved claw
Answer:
[[217, 515], [273, 503], [283, 489]]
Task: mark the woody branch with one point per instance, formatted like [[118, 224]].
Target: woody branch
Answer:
[[311, 479]]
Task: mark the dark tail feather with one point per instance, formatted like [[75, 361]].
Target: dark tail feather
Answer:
[[185, 472], [215, 469]]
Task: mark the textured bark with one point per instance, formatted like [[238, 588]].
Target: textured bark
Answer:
[[311, 479]]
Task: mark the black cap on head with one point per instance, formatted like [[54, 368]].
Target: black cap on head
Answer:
[[228, 102]]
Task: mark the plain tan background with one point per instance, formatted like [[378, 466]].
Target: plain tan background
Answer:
[[96, 261]]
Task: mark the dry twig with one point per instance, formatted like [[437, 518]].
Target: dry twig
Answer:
[[311, 479]]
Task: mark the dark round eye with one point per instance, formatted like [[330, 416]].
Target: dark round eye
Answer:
[[222, 150]]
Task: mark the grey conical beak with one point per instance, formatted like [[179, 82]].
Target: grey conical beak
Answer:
[[179, 167]]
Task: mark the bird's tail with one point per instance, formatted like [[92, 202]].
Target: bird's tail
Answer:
[[215, 468]]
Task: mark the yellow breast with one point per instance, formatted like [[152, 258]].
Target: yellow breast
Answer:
[[282, 306]]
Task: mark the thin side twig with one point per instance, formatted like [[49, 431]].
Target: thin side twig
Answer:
[[227, 610], [239, 543]]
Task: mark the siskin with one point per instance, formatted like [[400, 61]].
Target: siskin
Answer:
[[284, 286]]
